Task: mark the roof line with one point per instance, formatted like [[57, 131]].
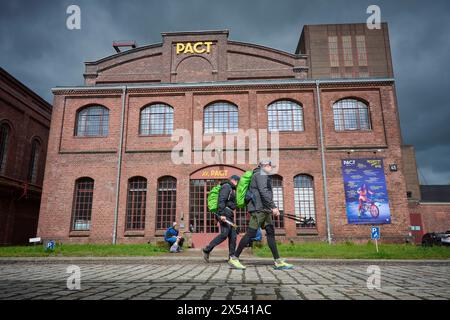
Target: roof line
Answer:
[[225, 83]]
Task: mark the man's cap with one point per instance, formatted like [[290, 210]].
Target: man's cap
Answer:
[[265, 162], [235, 177], [174, 224]]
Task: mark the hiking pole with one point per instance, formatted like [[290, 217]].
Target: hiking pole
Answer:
[[291, 217], [233, 225]]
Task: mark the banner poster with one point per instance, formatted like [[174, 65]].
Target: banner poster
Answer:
[[366, 194]]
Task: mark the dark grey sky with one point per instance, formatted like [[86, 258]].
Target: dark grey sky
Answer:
[[37, 48]]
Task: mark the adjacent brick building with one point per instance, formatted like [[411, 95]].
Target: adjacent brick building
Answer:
[[24, 128], [429, 205], [110, 176]]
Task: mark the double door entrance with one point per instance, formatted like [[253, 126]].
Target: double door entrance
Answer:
[[204, 223]]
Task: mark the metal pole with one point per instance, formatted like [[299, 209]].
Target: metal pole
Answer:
[[324, 169], [119, 166]]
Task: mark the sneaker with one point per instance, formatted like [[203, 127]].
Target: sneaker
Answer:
[[205, 255], [280, 264], [235, 263]]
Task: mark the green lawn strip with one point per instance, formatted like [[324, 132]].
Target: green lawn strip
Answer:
[[356, 251], [83, 250]]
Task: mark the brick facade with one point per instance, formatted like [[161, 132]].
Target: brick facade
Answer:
[[250, 77], [27, 117]]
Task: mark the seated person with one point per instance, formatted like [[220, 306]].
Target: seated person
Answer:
[[172, 237]]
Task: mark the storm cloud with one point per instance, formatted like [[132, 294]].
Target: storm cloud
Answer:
[[38, 49]]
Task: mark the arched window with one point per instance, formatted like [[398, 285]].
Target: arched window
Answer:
[[34, 160], [220, 117], [136, 202], [166, 208], [82, 204], [156, 119], [4, 139], [351, 114], [285, 115], [92, 121], [277, 189], [304, 201]]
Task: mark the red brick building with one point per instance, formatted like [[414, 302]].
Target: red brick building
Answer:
[[429, 205], [110, 174], [24, 129]]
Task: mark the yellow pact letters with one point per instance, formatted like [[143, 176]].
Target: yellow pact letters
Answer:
[[197, 47]]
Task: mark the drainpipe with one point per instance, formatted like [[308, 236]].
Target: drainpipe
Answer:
[[119, 166], [324, 169]]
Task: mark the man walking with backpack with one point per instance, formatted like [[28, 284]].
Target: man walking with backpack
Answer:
[[261, 207], [225, 212]]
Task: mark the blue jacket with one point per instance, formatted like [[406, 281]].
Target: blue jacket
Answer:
[[171, 235]]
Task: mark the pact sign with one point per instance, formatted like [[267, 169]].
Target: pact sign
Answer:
[[196, 47]]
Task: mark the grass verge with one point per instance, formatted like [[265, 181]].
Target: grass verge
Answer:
[[83, 250], [356, 251]]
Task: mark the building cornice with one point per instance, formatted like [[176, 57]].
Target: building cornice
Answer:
[[226, 85]]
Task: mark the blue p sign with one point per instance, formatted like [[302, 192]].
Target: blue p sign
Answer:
[[50, 245], [375, 233]]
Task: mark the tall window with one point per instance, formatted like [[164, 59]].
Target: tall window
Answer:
[[92, 122], [347, 50], [82, 204], [34, 161], [304, 201], [136, 202], [285, 115], [361, 49], [166, 202], [351, 114], [4, 138], [220, 117], [277, 189], [156, 119], [333, 51]]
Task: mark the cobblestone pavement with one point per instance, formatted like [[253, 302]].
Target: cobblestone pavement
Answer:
[[178, 279]]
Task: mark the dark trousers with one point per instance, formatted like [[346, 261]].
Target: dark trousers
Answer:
[[251, 233], [226, 232]]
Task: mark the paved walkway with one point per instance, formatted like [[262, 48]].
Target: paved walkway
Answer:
[[188, 277]]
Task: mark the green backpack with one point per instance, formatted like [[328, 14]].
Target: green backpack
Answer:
[[213, 198], [242, 198]]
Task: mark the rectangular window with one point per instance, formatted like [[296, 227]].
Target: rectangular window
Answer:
[[166, 202], [361, 49], [82, 208], [333, 51], [277, 189], [304, 201], [347, 50], [4, 133], [136, 203]]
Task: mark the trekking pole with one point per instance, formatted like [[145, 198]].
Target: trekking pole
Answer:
[[233, 225], [291, 217]]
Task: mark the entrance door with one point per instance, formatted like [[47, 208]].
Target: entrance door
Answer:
[[416, 227], [204, 223]]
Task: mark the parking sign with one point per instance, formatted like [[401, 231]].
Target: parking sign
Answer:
[[375, 233]]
